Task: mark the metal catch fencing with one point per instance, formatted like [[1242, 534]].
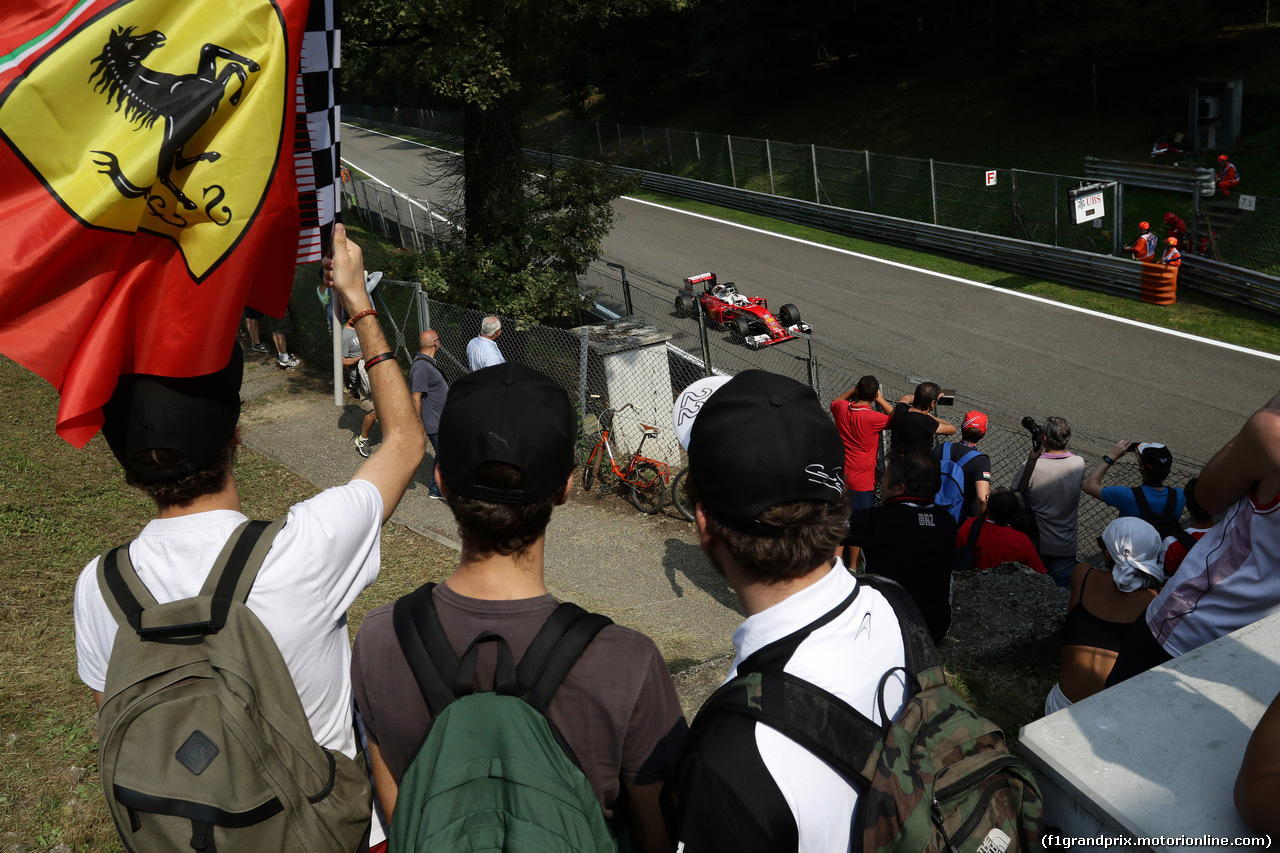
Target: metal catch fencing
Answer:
[[1022, 204], [410, 223]]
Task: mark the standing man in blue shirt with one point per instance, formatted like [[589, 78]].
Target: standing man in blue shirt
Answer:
[[429, 391], [482, 350]]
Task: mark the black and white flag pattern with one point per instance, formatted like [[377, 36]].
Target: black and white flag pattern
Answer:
[[315, 150]]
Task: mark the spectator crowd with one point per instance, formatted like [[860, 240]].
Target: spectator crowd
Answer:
[[483, 696]]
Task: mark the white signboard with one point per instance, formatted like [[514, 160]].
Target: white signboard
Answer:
[[1089, 207], [1248, 202], [991, 178]]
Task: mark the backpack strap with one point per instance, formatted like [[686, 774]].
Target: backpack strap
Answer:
[[974, 530], [554, 651], [426, 648], [917, 644], [964, 460], [230, 578]]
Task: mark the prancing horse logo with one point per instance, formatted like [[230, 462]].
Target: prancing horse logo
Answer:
[[184, 101]]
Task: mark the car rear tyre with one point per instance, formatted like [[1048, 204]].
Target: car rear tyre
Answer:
[[684, 305], [789, 315], [645, 488], [680, 495]]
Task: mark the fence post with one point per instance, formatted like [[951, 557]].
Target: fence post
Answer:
[[1055, 211], [644, 145], [413, 223], [768, 156], [671, 157], [583, 358], [620, 157], [697, 147], [1013, 202], [702, 338], [933, 194], [431, 220], [733, 174], [424, 312], [1115, 231], [813, 369], [817, 193], [599, 139], [626, 286], [382, 216], [870, 207]]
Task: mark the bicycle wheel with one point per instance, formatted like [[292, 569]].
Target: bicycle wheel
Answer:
[[680, 495], [645, 488], [591, 470]]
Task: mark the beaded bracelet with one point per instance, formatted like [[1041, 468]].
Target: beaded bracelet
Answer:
[[365, 313], [370, 362]]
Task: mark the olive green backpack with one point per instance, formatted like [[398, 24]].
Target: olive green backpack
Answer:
[[203, 742]]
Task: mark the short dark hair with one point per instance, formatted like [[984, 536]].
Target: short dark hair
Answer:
[[489, 527], [917, 472], [1057, 432], [926, 395], [182, 491], [1153, 475], [808, 534], [1002, 505], [867, 388], [972, 434]]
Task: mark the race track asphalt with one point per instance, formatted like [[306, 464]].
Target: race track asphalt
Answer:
[[1110, 378]]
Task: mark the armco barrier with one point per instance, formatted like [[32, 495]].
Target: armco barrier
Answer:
[[1248, 288]]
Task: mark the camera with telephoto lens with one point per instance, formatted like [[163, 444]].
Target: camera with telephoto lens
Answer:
[[1036, 430]]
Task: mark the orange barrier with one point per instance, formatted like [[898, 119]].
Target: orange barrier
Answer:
[[1159, 284]]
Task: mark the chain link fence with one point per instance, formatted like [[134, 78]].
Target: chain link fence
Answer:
[[410, 223], [698, 347], [1027, 205]]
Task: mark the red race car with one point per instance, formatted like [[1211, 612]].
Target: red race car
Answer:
[[747, 317]]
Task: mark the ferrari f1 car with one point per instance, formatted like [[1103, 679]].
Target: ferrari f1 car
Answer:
[[746, 317]]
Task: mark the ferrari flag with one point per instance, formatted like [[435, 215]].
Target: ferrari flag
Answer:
[[148, 186]]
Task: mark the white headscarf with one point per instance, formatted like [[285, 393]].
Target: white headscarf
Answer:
[[1137, 550]]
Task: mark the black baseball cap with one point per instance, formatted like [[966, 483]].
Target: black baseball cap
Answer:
[[759, 441], [513, 414], [1155, 456], [194, 417]]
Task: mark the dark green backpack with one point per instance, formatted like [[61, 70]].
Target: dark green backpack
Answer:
[[203, 742], [494, 773], [937, 778]]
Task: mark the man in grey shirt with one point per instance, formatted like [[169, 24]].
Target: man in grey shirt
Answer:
[[1054, 496], [429, 391]]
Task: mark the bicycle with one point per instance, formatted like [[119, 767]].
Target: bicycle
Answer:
[[680, 496], [645, 479]]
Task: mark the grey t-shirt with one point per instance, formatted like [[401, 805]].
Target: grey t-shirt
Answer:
[[617, 708], [1054, 496], [425, 379]]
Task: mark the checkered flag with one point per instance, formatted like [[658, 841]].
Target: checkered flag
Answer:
[[315, 150]]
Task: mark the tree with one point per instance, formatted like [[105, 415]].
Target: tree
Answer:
[[491, 56]]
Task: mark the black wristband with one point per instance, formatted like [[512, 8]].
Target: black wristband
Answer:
[[1105, 458], [370, 362]]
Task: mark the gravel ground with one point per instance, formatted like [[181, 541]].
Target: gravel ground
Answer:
[[1003, 608]]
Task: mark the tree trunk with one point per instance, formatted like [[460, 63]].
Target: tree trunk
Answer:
[[492, 160]]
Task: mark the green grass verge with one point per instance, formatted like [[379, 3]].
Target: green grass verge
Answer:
[[1195, 313]]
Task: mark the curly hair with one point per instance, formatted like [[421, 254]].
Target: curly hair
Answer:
[[489, 527], [808, 533], [181, 492]]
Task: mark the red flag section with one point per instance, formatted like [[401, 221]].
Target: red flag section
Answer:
[[148, 189]]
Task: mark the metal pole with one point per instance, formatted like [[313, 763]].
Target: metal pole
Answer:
[[817, 193], [1013, 199], [619, 127], [626, 286], [382, 216], [599, 140], [671, 157], [697, 146], [583, 358], [933, 194], [417, 301], [768, 156], [1055, 211], [813, 368], [870, 208], [702, 338], [431, 220], [413, 223], [1115, 231], [733, 174], [644, 144]]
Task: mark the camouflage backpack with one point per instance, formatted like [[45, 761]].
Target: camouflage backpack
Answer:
[[937, 778]]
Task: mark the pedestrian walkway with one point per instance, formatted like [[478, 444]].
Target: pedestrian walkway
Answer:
[[646, 572]]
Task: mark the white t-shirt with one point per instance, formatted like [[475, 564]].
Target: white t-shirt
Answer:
[[1230, 579], [324, 556], [846, 657]]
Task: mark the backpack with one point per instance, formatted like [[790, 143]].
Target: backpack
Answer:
[[493, 772], [951, 492], [1166, 522], [965, 555], [203, 741], [989, 801]]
